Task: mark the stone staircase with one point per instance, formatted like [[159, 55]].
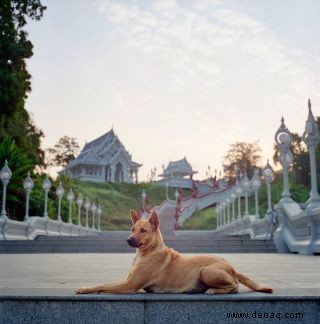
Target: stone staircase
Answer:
[[115, 242]]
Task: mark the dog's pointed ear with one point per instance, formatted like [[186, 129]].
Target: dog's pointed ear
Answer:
[[134, 216], [154, 220]]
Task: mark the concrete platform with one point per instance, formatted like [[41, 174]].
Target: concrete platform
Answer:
[[39, 288]]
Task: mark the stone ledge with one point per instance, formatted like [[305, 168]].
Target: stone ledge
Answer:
[[157, 309]]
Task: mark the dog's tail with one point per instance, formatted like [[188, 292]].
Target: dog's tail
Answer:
[[253, 285]]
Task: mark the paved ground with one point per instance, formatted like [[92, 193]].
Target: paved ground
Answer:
[[59, 274]]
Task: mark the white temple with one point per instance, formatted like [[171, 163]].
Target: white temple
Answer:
[[104, 159], [178, 174]]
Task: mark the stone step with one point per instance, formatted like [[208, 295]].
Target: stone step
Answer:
[[160, 308], [115, 242]]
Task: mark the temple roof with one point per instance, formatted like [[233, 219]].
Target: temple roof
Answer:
[[102, 151], [105, 138], [181, 168]]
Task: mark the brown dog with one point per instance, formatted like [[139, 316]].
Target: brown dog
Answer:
[[159, 269]]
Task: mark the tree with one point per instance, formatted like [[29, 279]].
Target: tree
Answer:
[[245, 156], [63, 152], [15, 122]]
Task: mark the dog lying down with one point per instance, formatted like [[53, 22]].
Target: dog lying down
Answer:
[[159, 269]]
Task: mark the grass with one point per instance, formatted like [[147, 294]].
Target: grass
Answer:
[[204, 219], [116, 199]]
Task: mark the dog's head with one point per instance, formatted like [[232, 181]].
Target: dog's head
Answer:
[[144, 232]]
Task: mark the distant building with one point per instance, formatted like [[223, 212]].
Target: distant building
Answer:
[[104, 159], [178, 174]]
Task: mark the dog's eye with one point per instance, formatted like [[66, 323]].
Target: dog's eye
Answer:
[[143, 230], [132, 229]]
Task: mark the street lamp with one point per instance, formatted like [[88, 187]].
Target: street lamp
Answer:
[[79, 204], [99, 213], [70, 198], [268, 175], [46, 186], [143, 195], [256, 184], [59, 193], [217, 216], [87, 206], [228, 201], [239, 194], [283, 139], [311, 137], [27, 185], [233, 198], [5, 176], [246, 188], [93, 210], [224, 205]]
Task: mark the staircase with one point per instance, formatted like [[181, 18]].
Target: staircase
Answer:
[[115, 242]]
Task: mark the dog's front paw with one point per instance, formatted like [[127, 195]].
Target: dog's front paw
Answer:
[[82, 290]]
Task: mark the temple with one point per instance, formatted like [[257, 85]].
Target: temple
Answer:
[[104, 159], [178, 174]]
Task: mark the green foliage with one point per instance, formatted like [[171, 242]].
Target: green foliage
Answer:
[[201, 220], [245, 156], [15, 48], [63, 152]]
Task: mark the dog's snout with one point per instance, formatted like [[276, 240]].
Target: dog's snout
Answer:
[[132, 241]]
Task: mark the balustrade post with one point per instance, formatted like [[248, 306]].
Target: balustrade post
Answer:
[[283, 139], [87, 206], [311, 137], [246, 188], [99, 213], [27, 185], [70, 198], [93, 210], [256, 184], [79, 204], [46, 186], [59, 193], [268, 175], [5, 176]]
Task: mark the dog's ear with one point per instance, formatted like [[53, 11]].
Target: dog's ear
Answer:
[[154, 220], [134, 216]]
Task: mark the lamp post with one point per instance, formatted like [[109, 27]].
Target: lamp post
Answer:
[[228, 201], [167, 189], [233, 198], [268, 175], [79, 204], [70, 198], [5, 176], [27, 185], [283, 139], [87, 206], [311, 137], [143, 195], [246, 188], [256, 184], [46, 186], [224, 212], [217, 216], [99, 213], [59, 193], [239, 194], [93, 210]]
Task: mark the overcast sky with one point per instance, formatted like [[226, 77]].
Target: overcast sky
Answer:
[[175, 78]]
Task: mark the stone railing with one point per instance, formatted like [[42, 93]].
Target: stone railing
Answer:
[[32, 226], [298, 229]]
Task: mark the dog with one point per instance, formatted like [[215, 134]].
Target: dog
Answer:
[[159, 269]]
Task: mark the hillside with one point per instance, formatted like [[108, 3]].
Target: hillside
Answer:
[[117, 199]]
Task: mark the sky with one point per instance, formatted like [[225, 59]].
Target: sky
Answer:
[[175, 78]]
